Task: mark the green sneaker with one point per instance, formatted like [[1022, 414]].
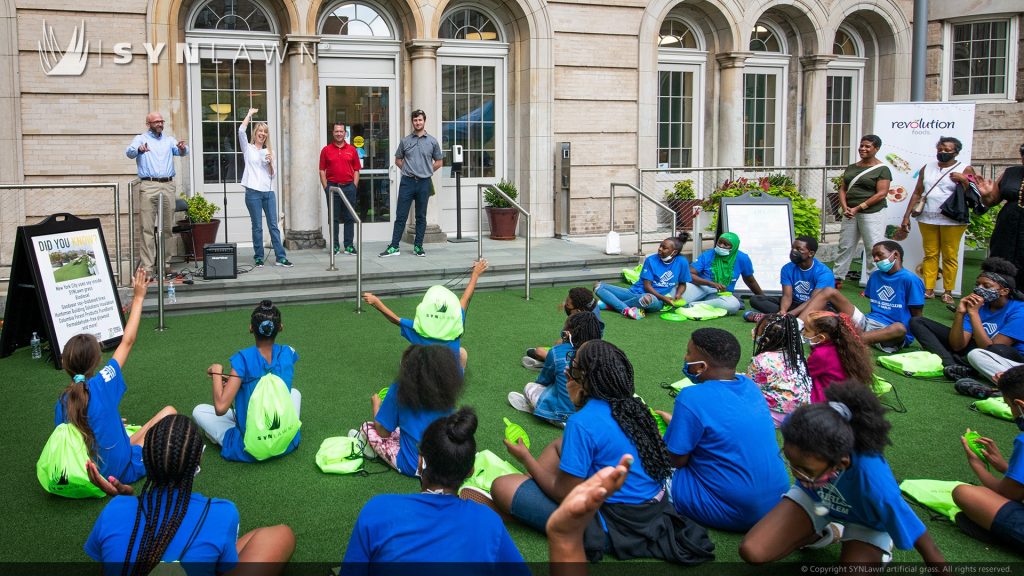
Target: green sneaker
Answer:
[[418, 251], [390, 251], [337, 249], [350, 251], [284, 262], [259, 262]]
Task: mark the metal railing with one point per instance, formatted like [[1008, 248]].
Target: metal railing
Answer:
[[117, 209], [131, 220], [639, 213], [359, 242], [480, 225]]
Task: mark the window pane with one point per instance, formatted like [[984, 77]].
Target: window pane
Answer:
[[356, 19], [467, 116], [235, 15], [978, 65]]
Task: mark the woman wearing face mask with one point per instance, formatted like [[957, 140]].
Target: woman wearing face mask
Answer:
[[715, 274], [990, 318], [662, 280], [837, 352], [940, 234], [862, 196], [844, 491]]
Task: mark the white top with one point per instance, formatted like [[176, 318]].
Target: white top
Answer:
[[257, 169], [933, 202]]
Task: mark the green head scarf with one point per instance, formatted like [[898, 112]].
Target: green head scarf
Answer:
[[722, 267]]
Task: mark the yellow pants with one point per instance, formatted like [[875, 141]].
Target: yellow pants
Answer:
[[945, 240]]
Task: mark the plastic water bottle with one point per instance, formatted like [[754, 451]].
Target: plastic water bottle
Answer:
[[37, 347], [171, 296]]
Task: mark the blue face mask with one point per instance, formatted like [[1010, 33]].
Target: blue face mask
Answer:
[[694, 377], [885, 265], [722, 251]]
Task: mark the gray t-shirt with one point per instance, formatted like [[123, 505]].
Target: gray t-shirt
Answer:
[[419, 153]]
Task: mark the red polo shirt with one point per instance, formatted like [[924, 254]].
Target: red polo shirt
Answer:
[[340, 164]]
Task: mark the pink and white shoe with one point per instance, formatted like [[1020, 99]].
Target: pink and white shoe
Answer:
[[634, 313]]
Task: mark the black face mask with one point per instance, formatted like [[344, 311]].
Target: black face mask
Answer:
[[796, 257], [945, 156]]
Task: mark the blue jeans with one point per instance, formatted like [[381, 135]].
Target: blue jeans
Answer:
[[341, 213], [619, 298], [260, 203], [709, 295], [409, 190]]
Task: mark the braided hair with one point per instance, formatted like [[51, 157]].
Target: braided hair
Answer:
[[171, 455], [781, 332], [582, 326], [265, 321], [608, 376]]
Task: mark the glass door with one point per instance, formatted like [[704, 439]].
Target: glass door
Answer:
[[366, 113]]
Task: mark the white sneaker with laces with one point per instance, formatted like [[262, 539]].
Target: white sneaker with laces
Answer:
[[368, 452], [519, 402], [532, 363]]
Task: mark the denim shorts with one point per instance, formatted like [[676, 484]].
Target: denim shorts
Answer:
[[1008, 525], [531, 506], [852, 531]]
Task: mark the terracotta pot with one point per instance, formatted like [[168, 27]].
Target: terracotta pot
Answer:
[[202, 234], [503, 222]]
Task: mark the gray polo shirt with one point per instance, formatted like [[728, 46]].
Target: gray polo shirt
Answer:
[[419, 153]]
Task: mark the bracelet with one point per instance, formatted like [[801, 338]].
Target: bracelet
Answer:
[[863, 206]]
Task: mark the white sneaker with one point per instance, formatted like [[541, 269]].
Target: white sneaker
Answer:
[[831, 534], [532, 363], [364, 443], [519, 402]]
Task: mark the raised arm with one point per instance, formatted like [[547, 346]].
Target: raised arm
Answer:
[[372, 299], [131, 328], [478, 268]]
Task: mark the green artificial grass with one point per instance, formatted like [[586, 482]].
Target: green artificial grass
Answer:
[[71, 272], [345, 357]]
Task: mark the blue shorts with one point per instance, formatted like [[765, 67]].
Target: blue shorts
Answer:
[[1008, 525], [135, 470], [531, 506]]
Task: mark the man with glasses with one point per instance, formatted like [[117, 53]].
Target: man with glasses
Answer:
[[418, 157], [153, 153]]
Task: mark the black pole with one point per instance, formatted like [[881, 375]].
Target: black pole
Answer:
[[224, 182]]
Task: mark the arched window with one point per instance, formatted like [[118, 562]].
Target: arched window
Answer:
[[232, 15], [356, 19], [680, 80], [468, 24], [764, 39], [676, 34], [844, 44]]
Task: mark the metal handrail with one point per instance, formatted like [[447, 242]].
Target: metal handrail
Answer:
[[639, 216], [359, 243], [480, 225], [117, 208], [131, 220]]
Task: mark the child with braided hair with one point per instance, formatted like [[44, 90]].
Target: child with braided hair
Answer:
[[224, 425], [636, 522], [169, 522], [844, 490], [837, 352], [778, 366], [580, 299]]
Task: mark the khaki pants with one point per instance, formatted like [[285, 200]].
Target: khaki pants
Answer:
[[150, 192], [944, 240]]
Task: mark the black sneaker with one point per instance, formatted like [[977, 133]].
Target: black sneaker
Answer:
[[389, 251], [284, 262], [418, 251], [259, 262], [957, 371], [975, 389]]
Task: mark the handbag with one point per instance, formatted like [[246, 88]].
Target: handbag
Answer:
[[962, 201], [919, 205]]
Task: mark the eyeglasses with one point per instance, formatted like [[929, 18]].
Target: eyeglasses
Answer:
[[571, 370], [800, 475]]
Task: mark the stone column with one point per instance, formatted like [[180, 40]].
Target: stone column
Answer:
[[815, 69], [423, 54], [301, 191], [730, 108]]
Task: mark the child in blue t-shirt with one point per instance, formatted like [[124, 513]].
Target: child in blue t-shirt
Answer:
[[429, 383], [434, 525], [547, 398], [437, 319], [204, 533], [579, 299], [844, 489], [721, 439], [637, 521], [801, 278], [995, 509], [896, 295], [662, 281], [716, 271], [90, 402], [225, 425]]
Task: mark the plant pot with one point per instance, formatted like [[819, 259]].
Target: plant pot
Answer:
[[684, 212], [202, 233], [503, 222]]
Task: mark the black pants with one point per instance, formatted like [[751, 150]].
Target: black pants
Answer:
[[769, 304], [934, 337]]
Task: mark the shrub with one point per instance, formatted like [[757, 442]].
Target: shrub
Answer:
[[806, 214]]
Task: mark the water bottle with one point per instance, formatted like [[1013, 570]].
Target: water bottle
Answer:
[[37, 347], [171, 297]]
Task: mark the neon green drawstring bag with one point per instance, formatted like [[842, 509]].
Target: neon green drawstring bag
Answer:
[[486, 467], [701, 311], [918, 364], [61, 467], [936, 495], [271, 422], [439, 315], [631, 275], [340, 455], [994, 406]]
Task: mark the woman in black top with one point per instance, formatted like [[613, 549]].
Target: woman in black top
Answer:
[[1008, 237]]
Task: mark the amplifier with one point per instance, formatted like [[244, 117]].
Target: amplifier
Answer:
[[220, 261]]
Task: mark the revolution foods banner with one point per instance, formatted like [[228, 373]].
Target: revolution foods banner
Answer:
[[909, 133]]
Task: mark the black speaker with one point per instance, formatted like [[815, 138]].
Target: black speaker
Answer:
[[219, 262]]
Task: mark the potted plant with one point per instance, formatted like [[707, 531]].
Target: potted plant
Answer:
[[502, 216], [683, 200], [201, 227]]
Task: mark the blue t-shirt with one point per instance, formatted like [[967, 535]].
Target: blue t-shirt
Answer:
[[412, 425], [554, 402], [1008, 321], [892, 295], [742, 267], [663, 277], [432, 528], [866, 493], [251, 366], [115, 455], [805, 282], [593, 440], [409, 333], [212, 552], [734, 475], [1015, 467]]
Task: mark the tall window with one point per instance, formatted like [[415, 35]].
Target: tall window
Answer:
[[680, 66], [843, 99], [980, 57], [356, 19], [228, 89], [763, 112]]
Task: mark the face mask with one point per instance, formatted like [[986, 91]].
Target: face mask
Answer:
[[813, 341], [987, 294], [669, 259], [945, 156], [820, 482], [722, 251], [885, 265], [796, 257], [694, 377]]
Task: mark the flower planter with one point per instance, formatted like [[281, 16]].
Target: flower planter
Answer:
[[202, 233], [685, 212], [503, 222]]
